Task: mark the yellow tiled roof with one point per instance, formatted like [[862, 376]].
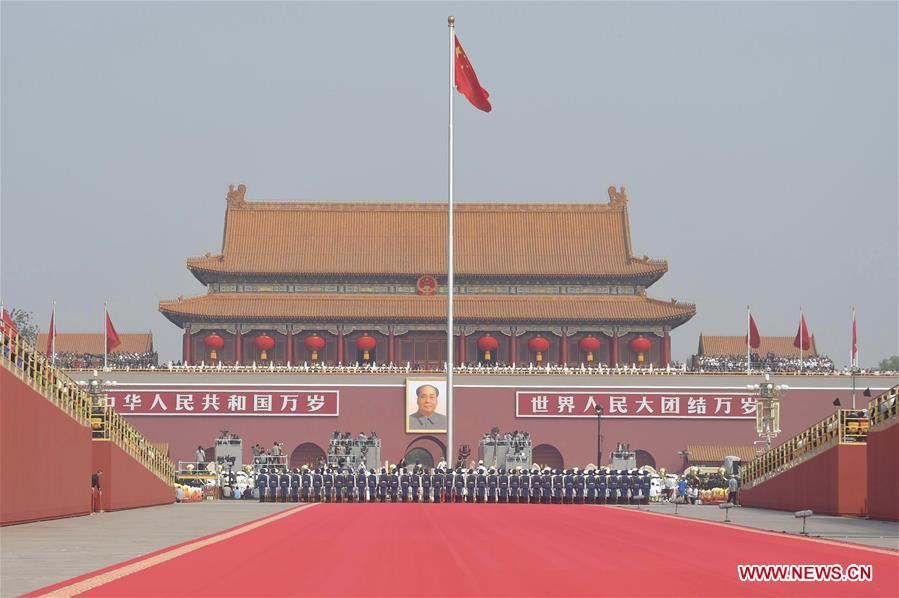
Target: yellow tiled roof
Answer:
[[333, 307], [780, 346], [92, 343]]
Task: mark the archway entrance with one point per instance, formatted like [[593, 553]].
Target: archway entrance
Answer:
[[546, 455], [308, 453], [420, 455], [645, 458]]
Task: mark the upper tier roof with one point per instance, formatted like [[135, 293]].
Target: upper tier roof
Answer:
[[507, 240], [92, 343], [780, 346]]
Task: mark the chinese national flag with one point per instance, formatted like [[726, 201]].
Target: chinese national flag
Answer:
[[467, 82], [755, 341], [112, 337], [802, 341]]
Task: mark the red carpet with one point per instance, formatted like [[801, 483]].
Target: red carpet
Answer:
[[493, 550]]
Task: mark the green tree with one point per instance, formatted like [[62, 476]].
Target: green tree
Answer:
[[25, 323], [889, 364]]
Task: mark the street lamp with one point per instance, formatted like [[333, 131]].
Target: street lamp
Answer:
[[767, 413], [599, 412]]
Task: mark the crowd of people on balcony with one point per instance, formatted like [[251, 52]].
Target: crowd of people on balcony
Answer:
[[769, 363], [117, 360]]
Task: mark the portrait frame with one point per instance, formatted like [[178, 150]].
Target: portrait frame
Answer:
[[411, 403]]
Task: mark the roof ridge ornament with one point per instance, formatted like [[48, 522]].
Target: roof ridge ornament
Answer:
[[617, 197], [236, 197]]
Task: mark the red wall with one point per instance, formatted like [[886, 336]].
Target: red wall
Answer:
[[126, 483], [833, 482], [36, 437], [477, 409], [883, 472]]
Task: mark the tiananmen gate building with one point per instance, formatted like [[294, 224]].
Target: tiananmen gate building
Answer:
[[366, 282]]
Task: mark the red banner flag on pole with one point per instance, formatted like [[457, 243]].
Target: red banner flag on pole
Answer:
[[9, 327], [755, 340], [467, 82], [51, 335], [112, 338], [802, 341]]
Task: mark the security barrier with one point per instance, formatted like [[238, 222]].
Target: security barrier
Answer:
[[884, 408]]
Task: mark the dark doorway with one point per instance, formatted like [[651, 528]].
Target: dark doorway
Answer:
[[427, 352], [308, 453], [420, 455], [645, 458], [546, 455]]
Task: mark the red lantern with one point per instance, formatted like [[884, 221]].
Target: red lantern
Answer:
[[314, 343], [214, 343], [640, 345], [366, 343], [588, 345], [538, 345], [264, 343], [487, 344]]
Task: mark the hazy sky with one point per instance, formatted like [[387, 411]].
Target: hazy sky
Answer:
[[757, 141]]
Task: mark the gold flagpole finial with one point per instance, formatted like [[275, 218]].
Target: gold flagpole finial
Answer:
[[452, 21]]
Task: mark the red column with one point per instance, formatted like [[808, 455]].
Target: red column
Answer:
[[238, 347], [666, 349], [461, 352], [340, 345], [391, 346], [613, 350], [513, 348], [563, 359], [185, 351], [290, 346]]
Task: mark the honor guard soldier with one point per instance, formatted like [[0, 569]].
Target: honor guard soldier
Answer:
[[394, 484], [458, 485], [448, 485], [645, 486], [558, 486], [405, 483], [612, 493], [371, 487], [514, 484], [476, 484], [262, 483], [274, 482], [328, 490], [339, 485], [360, 485], [317, 484], [429, 484], [306, 481], [536, 486], [503, 478], [591, 487], [524, 484], [383, 483], [436, 485], [295, 486], [416, 482], [492, 485], [568, 487], [546, 487], [580, 485], [284, 485], [602, 487]]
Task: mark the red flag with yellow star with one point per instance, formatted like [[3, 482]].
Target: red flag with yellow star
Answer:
[[467, 82]]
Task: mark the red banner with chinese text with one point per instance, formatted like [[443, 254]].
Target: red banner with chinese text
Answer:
[[700, 404], [226, 401]]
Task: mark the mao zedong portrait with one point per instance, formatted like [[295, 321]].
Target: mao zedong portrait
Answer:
[[427, 418]]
